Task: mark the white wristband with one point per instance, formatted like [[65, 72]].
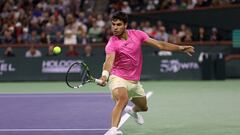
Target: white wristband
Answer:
[[105, 73]]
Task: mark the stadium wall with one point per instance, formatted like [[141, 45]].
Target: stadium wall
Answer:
[[156, 65]]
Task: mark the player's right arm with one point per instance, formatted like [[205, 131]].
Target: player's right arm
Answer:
[[107, 66]]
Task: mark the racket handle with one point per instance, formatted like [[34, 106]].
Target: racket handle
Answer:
[[98, 81]]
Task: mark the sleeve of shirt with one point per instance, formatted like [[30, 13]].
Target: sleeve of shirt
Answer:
[[110, 48], [142, 35]]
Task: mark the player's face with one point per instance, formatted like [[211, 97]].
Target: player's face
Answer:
[[118, 27]]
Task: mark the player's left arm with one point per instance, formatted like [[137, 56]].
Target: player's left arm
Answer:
[[169, 46]]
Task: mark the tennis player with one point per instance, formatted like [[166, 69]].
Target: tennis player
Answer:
[[123, 65]]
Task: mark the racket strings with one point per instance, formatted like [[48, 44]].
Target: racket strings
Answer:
[[84, 75], [77, 75]]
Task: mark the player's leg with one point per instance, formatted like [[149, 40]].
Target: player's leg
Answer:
[[120, 96], [140, 104], [119, 92], [138, 98]]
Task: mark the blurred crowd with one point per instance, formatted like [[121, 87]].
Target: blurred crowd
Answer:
[[71, 22], [136, 6]]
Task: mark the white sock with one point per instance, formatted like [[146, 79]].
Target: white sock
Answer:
[[114, 129], [133, 110]]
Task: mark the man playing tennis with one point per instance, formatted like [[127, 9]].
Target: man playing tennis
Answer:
[[124, 63]]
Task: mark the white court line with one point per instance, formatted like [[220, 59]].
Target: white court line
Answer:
[[50, 95], [49, 130], [126, 115]]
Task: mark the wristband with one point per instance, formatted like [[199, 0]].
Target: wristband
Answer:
[[105, 73]]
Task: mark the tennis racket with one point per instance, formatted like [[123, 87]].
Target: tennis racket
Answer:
[[78, 75]]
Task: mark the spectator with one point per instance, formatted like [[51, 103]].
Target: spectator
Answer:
[[8, 38], [159, 23], [174, 38], [220, 2], [126, 8], [100, 22], [165, 4], [82, 36], [87, 51], [201, 3], [137, 5], [32, 52], [188, 37], [133, 25], [150, 5], [26, 35], [19, 40], [72, 52], [58, 38], [201, 36], [215, 35], [34, 38], [24, 18], [94, 33], [107, 34], [182, 32], [83, 39], [191, 4], [147, 27], [44, 38], [9, 52], [69, 37], [183, 5], [72, 24], [173, 5], [50, 51], [154, 32], [18, 31], [83, 20], [162, 35]]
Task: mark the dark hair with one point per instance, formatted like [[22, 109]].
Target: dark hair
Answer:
[[120, 16]]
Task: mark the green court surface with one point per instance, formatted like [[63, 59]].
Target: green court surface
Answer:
[[175, 108]]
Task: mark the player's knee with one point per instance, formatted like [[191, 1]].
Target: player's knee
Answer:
[[123, 101]]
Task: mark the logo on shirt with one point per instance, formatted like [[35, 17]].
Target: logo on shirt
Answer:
[[125, 44]]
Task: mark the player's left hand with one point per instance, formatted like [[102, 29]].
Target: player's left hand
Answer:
[[189, 50]]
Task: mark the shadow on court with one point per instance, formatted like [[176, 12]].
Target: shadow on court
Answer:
[[55, 114]]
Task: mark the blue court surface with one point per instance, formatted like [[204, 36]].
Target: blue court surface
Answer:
[[55, 114], [175, 108]]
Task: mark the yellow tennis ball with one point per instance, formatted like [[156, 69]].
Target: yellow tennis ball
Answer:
[[57, 50]]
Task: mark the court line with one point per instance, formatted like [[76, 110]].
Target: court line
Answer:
[[49, 130], [126, 115], [50, 95]]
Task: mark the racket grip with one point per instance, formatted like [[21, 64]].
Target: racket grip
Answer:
[[98, 81]]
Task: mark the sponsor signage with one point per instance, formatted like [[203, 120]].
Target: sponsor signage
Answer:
[[174, 66], [6, 67], [57, 66]]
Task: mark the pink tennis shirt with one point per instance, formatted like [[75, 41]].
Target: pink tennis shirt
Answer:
[[128, 54]]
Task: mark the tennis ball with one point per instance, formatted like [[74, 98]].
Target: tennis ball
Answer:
[[57, 50]]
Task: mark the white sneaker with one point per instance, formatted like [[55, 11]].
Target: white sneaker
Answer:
[[113, 131], [138, 117]]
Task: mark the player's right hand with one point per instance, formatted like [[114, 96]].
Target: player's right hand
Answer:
[[104, 81]]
